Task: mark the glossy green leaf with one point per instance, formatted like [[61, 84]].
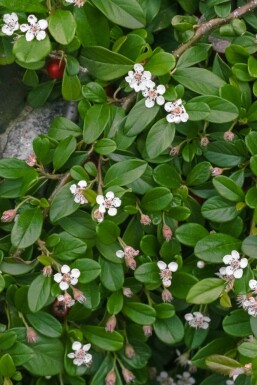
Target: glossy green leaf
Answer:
[[139, 313], [31, 51], [167, 176], [206, 291], [170, 331], [115, 302], [62, 26], [249, 246], [199, 174], [89, 269], [218, 209], [107, 232], [160, 63], [96, 120], [61, 206], [62, 127], [45, 324], [94, 92], [237, 323], [7, 367], [38, 294], [228, 189], [107, 341], [124, 172], [159, 138], [158, 198], [71, 87], [112, 275], [27, 228], [148, 273], [63, 151], [190, 233]]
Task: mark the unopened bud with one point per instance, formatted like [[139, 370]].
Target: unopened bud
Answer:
[[127, 292], [166, 232], [47, 271], [98, 215], [200, 264], [174, 150], [111, 324], [204, 141], [229, 136], [129, 351], [127, 375], [66, 299], [79, 296], [31, 160], [110, 379], [32, 336], [215, 171], [8, 215], [131, 263], [148, 330], [166, 295], [145, 219]]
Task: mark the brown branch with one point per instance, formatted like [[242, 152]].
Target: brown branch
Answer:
[[204, 28]]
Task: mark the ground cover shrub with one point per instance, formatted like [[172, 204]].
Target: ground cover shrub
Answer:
[[128, 239]]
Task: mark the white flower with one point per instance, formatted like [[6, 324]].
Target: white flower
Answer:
[[77, 191], [251, 306], [139, 79], [165, 379], [80, 354], [108, 203], [185, 379], [253, 285], [166, 271], [236, 265], [67, 278], [11, 23], [78, 3], [35, 29], [197, 320], [154, 95], [177, 112]]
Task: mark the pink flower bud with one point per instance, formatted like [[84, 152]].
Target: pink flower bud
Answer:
[[166, 232], [127, 292], [32, 336], [111, 324], [229, 136], [31, 160], [79, 296], [110, 379], [174, 150], [98, 215], [148, 330], [166, 295], [130, 262], [8, 215], [204, 141], [129, 351], [127, 375], [145, 219], [216, 171], [47, 271]]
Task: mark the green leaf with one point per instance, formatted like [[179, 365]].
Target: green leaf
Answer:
[[182, 283], [199, 174], [237, 323], [218, 209], [193, 55], [61, 206], [87, 17], [96, 120], [45, 324], [7, 339], [124, 172], [198, 111], [63, 151], [9, 266], [221, 110], [101, 373], [195, 337], [62, 26], [31, 51], [148, 273], [251, 113], [20, 353], [89, 269], [107, 232], [7, 367], [62, 127], [222, 364], [69, 247], [228, 189], [206, 291], [39, 94], [159, 138], [107, 341], [170, 331], [104, 64], [112, 275], [13, 168], [224, 154], [2, 283], [199, 80], [94, 92], [39, 291], [249, 246], [164, 310], [248, 349], [71, 87], [27, 228], [128, 15], [139, 313], [115, 303], [190, 233], [166, 175], [213, 247], [160, 63], [30, 78], [105, 146], [149, 245], [140, 118], [251, 142], [156, 199], [24, 6]]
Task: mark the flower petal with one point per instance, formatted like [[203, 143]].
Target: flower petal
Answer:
[[82, 183], [65, 269], [243, 263], [75, 273], [149, 103], [76, 345], [227, 259], [120, 254], [238, 273], [63, 285], [235, 254], [162, 265], [112, 211], [173, 266], [110, 195], [86, 347], [58, 277], [100, 199]]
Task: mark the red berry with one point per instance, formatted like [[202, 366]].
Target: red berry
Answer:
[[55, 69]]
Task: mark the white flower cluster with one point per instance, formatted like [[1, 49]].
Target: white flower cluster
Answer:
[[166, 272], [34, 29], [235, 266], [197, 320], [80, 355], [140, 80]]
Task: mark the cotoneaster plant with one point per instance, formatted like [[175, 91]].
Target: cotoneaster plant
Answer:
[[128, 238]]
